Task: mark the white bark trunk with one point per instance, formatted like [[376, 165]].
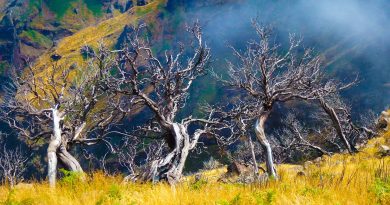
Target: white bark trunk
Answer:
[[68, 160], [255, 166], [172, 166], [55, 142], [182, 149], [260, 134]]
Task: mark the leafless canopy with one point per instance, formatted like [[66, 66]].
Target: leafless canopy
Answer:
[[267, 74], [162, 84], [13, 164], [48, 104]]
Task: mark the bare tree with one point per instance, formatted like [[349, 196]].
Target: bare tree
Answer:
[[162, 85], [138, 154], [338, 118], [297, 136], [12, 164], [48, 103], [266, 75]]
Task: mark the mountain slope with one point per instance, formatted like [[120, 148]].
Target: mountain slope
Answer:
[[28, 28], [363, 178]]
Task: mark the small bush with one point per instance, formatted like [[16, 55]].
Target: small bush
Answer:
[[381, 188], [198, 184], [114, 192], [265, 198], [70, 178], [235, 201]]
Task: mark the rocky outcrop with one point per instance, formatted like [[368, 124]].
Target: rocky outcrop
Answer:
[[384, 120], [236, 168], [383, 151]]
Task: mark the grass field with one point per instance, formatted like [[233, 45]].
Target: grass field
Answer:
[[363, 178]]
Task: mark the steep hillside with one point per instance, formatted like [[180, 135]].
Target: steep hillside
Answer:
[[360, 179], [107, 31]]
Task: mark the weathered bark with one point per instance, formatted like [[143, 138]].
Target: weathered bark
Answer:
[[171, 167], [68, 160], [255, 166], [260, 134], [182, 149], [337, 125], [54, 144]]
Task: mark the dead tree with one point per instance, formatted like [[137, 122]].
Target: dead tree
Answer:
[[337, 116], [297, 136], [266, 74], [162, 85], [48, 104], [13, 164], [138, 154]]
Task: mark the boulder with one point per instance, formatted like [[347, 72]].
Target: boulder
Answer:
[[301, 174], [384, 150], [307, 164], [317, 160], [384, 120], [55, 57], [236, 168]]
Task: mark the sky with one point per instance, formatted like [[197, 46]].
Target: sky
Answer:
[[353, 35]]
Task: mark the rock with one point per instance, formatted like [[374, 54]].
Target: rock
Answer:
[[307, 164], [55, 57], [198, 177], [301, 174], [384, 150], [317, 160], [75, 10], [237, 169], [384, 120]]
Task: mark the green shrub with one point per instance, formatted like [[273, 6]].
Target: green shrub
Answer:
[[265, 198], [381, 188], [70, 178], [198, 184], [235, 201], [114, 192]]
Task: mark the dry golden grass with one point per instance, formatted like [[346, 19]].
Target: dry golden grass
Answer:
[[341, 179]]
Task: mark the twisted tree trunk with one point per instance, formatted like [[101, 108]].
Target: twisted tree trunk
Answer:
[[171, 167], [253, 155], [182, 140], [55, 142], [70, 162], [260, 134]]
